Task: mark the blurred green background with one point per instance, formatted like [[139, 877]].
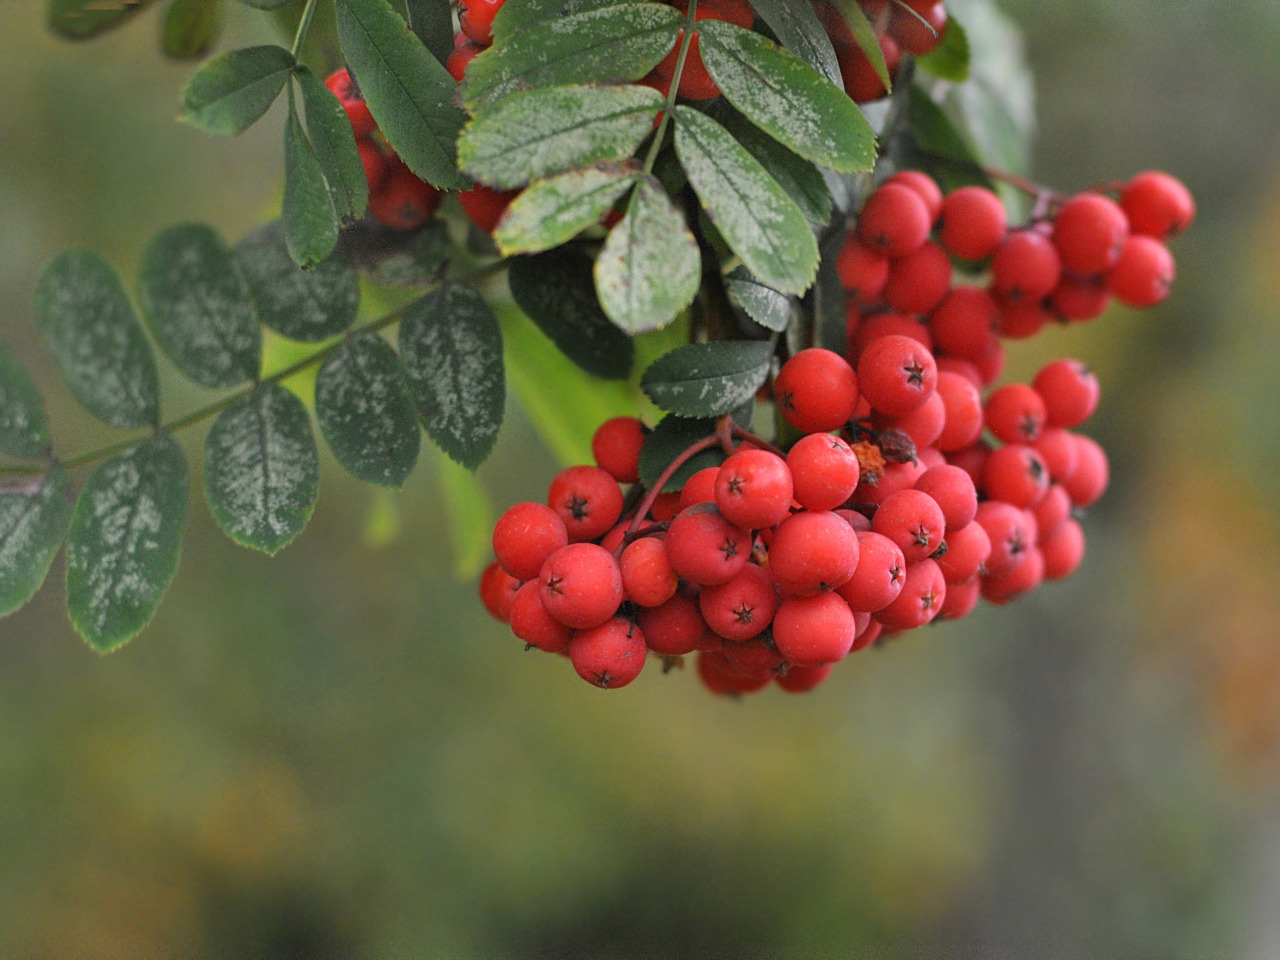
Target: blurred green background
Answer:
[[335, 753]]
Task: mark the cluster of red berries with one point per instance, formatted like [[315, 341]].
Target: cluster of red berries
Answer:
[[915, 27], [397, 198], [891, 510]]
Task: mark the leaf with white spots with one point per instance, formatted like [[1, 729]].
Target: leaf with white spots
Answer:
[[798, 28], [616, 44], [232, 91], [198, 306], [754, 215], [125, 541], [307, 305], [24, 429], [34, 515], [708, 379], [516, 15], [363, 405], [553, 211], [784, 96], [557, 292], [650, 268], [763, 304], [87, 320], [262, 472], [529, 135], [802, 180], [452, 349]]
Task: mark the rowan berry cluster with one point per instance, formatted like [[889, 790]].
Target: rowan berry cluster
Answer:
[[908, 496]]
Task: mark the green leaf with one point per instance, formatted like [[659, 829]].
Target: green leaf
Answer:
[[755, 216], [935, 145], [787, 98], [335, 146], [190, 28], [564, 402], [650, 267], [529, 135], [198, 306], [828, 298], [233, 90], [34, 516], [763, 304], [307, 305], [24, 429], [87, 320], [408, 91], [262, 472], [125, 541], [865, 36], [802, 181], [468, 515], [266, 4], [557, 293], [310, 220], [673, 436], [553, 211], [516, 15], [615, 44], [708, 379], [363, 405], [798, 29], [949, 60], [418, 260], [452, 349], [432, 22], [85, 19]]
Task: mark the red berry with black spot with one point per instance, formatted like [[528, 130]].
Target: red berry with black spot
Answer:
[[525, 535], [879, 576], [923, 593], [531, 622], [1009, 533], [1007, 586], [965, 323], [588, 500], [1015, 413], [894, 221], [816, 390], [1052, 510], [809, 631], [1016, 474], [581, 585], [616, 447], [812, 552], [1157, 205], [1143, 274], [967, 550], [824, 471], [923, 425], [896, 375], [1089, 232], [803, 679], [610, 655], [912, 520], [402, 201], [720, 676], [741, 608], [706, 548], [1058, 449], [754, 489], [1026, 267], [757, 657]]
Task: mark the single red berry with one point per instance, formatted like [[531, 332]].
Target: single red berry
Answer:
[[1143, 274], [1015, 413], [809, 631], [1009, 531], [525, 536], [861, 80], [962, 405], [581, 585], [1058, 449], [588, 500], [374, 163], [402, 201], [476, 19], [1157, 205], [1026, 267], [1052, 510], [706, 548], [954, 492], [616, 447], [862, 271], [700, 488], [896, 375], [877, 325], [753, 489], [1007, 586], [973, 222], [875, 488], [813, 552], [923, 425], [757, 657], [1063, 550], [1024, 318], [497, 591], [961, 599], [485, 206], [803, 679], [1070, 392], [610, 655], [912, 520], [675, 628], [971, 459], [1016, 474], [1089, 231], [924, 185], [919, 35], [740, 608], [665, 507], [1089, 481], [920, 281], [1079, 298], [343, 86], [879, 576], [647, 576], [967, 550], [824, 471], [816, 390], [720, 676], [695, 81], [895, 220], [923, 594], [531, 622], [965, 323], [461, 58]]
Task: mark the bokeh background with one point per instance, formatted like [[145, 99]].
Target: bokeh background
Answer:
[[335, 753]]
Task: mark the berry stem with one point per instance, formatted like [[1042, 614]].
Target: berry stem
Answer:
[[739, 434], [706, 443], [633, 535], [670, 105]]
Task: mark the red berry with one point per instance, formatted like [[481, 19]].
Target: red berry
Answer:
[[497, 591], [753, 489], [374, 163], [912, 520], [1079, 298], [343, 86], [706, 548], [525, 536], [1089, 481], [675, 628], [476, 19], [803, 679], [461, 58], [1052, 510], [861, 81], [647, 576], [485, 206], [877, 325], [403, 202], [1015, 413], [813, 552], [1157, 205], [896, 375], [1058, 449], [1013, 583], [919, 281], [742, 607], [1089, 231], [581, 585], [879, 576], [824, 471], [967, 550], [953, 490], [757, 657], [961, 599], [814, 630], [588, 500], [965, 323], [962, 405], [973, 223], [616, 447], [1023, 319], [1026, 267], [610, 655], [895, 220], [924, 185], [915, 37], [700, 488], [1143, 274], [531, 622], [720, 676], [1062, 549], [1016, 474], [862, 271], [816, 390], [923, 425], [923, 592], [1069, 390], [1009, 531]]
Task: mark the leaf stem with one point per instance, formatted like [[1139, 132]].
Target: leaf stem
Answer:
[[303, 26], [656, 147]]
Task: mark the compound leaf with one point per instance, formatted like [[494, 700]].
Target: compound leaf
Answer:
[[232, 91], [363, 405], [125, 541], [708, 379], [262, 471], [452, 349], [90, 325]]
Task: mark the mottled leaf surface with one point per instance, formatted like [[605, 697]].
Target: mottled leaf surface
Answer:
[[91, 328], [452, 349], [753, 214], [800, 178], [34, 515], [24, 429], [335, 147], [557, 292], [798, 29], [516, 15], [233, 90], [614, 44], [553, 211], [262, 471], [310, 219], [307, 305], [708, 379], [199, 308], [125, 541], [363, 405], [532, 134], [409, 92], [650, 267], [763, 304]]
